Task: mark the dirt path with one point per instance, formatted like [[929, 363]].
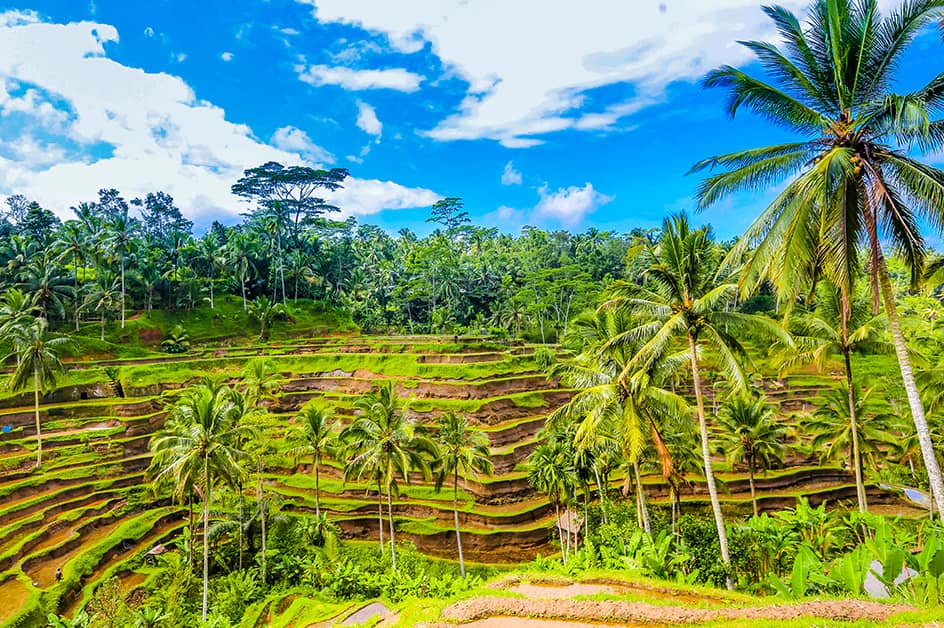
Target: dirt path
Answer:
[[510, 610], [365, 614]]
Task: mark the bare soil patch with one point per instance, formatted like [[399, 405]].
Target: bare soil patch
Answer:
[[634, 613]]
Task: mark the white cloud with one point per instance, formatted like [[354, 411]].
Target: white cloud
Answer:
[[289, 31], [510, 176], [149, 32], [367, 120], [227, 56], [569, 205], [518, 95], [110, 125], [356, 80], [180, 57], [295, 140]]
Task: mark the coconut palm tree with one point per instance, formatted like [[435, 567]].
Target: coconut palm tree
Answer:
[[200, 446], [38, 367], [121, 231], [612, 403], [262, 381], [16, 313], [751, 435], [264, 311], [551, 471], [835, 328], [316, 435], [833, 431], [851, 180], [684, 300], [462, 449], [384, 444], [103, 296]]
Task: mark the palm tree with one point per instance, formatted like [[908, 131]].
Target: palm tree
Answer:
[[852, 181], [462, 449], [38, 367], [835, 328], [120, 234], [385, 444], [614, 404], [264, 312], [751, 436], [103, 296], [240, 247], [686, 300], [262, 381], [551, 471], [316, 435], [50, 289], [200, 446], [71, 241], [16, 313], [833, 431]]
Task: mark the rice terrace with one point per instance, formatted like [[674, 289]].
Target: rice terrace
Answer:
[[250, 381]]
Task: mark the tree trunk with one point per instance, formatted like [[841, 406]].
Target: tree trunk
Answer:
[[210, 281], [123, 306], [911, 388], [596, 474], [641, 501], [206, 534], [706, 456], [75, 287], [560, 532], [380, 516], [750, 479], [393, 538], [317, 496], [240, 526], [854, 427], [39, 433], [242, 285], [262, 519], [103, 326], [455, 514]]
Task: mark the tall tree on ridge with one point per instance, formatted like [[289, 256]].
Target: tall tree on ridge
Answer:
[[851, 181]]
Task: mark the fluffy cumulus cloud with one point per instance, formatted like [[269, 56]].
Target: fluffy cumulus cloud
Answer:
[[510, 176], [367, 119], [80, 121], [518, 94], [226, 56], [295, 140], [358, 80], [569, 205]]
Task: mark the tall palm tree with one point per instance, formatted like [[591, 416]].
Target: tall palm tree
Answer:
[[614, 403], [38, 368], [751, 435], [385, 444], [121, 230], [262, 381], [462, 449], [839, 326], [103, 296], [833, 431], [16, 313], [551, 471], [685, 299], [852, 180], [71, 242], [240, 248], [200, 446], [316, 435]]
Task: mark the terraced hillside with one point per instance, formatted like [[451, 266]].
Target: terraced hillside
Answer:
[[90, 511]]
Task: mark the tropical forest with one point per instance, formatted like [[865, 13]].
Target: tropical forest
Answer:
[[295, 417]]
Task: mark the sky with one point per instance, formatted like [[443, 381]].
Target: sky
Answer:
[[535, 112]]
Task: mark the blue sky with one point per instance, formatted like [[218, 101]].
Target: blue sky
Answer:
[[532, 112]]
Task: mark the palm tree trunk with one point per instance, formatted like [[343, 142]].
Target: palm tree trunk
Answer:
[[393, 549], [262, 519], [75, 288], [706, 457], [239, 527], [380, 516], [854, 428], [560, 532], [242, 285], [190, 531], [103, 326], [39, 434], [123, 306], [911, 389], [317, 496], [210, 281], [206, 534], [641, 500], [750, 479], [596, 474], [455, 514]]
